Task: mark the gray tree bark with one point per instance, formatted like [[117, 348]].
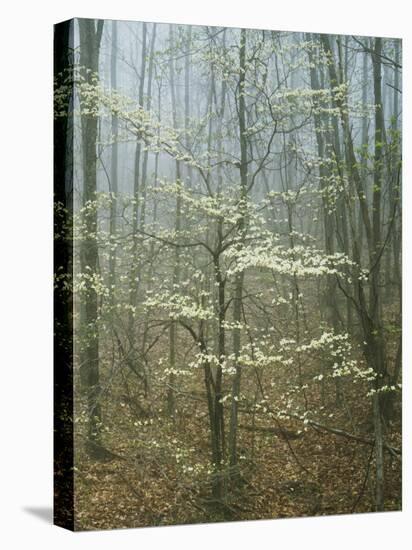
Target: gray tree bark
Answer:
[[90, 38]]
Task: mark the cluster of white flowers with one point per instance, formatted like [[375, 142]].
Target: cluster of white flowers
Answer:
[[213, 360], [300, 261], [63, 280], [90, 281], [337, 343], [177, 372], [177, 306], [226, 207], [384, 389], [234, 325]]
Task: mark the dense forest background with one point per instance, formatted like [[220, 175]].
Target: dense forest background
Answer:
[[236, 281]]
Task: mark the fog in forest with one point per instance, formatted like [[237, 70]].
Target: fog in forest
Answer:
[[234, 201]]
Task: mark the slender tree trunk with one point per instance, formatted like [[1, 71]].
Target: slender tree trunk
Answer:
[[395, 194], [171, 406], [134, 282], [237, 308], [187, 99], [113, 165], [375, 290], [146, 153]]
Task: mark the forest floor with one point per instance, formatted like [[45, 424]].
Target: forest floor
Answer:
[[161, 477]]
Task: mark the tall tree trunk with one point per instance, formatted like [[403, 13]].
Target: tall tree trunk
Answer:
[[171, 406], [113, 165], [142, 221], [187, 99], [395, 193], [237, 307], [134, 282], [325, 147], [90, 37], [146, 152], [375, 287]]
